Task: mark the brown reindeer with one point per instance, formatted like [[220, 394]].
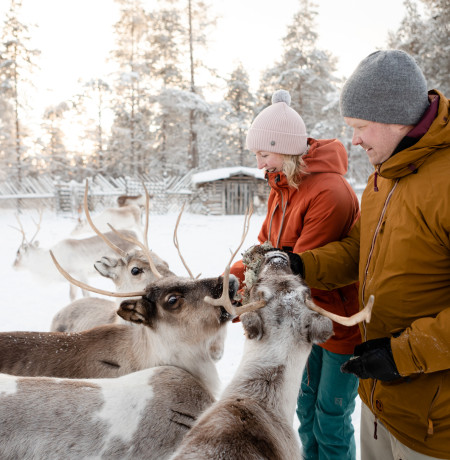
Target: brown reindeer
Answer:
[[173, 326]]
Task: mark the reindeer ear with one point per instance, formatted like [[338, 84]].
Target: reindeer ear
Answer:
[[253, 326], [136, 311]]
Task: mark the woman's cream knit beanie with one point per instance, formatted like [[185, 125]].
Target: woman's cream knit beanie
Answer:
[[278, 128]]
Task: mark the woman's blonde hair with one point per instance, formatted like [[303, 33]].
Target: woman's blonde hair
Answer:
[[294, 168]]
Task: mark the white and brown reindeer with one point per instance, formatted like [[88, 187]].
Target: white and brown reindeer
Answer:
[[143, 415], [129, 271], [254, 417], [77, 255]]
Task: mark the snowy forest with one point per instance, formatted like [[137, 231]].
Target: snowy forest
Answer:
[[153, 114]]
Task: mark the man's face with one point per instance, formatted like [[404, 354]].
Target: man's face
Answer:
[[379, 140]]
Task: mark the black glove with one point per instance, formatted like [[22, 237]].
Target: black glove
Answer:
[[296, 264], [373, 360]]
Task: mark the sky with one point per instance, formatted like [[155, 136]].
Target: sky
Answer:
[[75, 36], [30, 302]]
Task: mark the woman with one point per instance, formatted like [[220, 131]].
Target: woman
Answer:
[[311, 204]]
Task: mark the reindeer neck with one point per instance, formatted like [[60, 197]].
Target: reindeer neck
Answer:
[[270, 375], [168, 350]]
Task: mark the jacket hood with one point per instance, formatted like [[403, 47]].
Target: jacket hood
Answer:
[[323, 156], [436, 138], [326, 155]]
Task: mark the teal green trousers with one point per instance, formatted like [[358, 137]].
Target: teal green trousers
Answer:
[[325, 405]]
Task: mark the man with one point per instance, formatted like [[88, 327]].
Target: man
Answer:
[[399, 250]]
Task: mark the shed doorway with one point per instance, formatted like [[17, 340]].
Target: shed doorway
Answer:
[[238, 196]]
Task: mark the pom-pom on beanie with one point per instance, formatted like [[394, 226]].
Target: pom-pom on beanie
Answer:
[[278, 128], [386, 87]]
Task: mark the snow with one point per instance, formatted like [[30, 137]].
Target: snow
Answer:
[[206, 243], [225, 173]]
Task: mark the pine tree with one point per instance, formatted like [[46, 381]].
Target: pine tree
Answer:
[[306, 71], [433, 52], [240, 115], [54, 151], [131, 139], [91, 107], [16, 65], [165, 54]]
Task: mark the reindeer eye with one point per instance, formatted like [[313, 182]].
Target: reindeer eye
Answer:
[[136, 271], [173, 300]]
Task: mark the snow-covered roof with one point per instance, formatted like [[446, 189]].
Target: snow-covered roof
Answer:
[[225, 173]]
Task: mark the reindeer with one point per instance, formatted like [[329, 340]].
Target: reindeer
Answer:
[[125, 200], [178, 327], [253, 418], [128, 272], [143, 415], [126, 217], [78, 256]]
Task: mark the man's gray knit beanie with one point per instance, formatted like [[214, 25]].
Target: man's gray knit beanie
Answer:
[[386, 87]]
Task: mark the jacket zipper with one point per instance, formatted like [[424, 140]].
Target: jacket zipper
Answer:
[[283, 208], [366, 271], [369, 258], [430, 425]]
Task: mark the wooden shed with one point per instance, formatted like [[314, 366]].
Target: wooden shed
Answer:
[[231, 190]]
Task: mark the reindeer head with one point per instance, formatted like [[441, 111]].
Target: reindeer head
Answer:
[[131, 271], [26, 246], [285, 296], [181, 302]]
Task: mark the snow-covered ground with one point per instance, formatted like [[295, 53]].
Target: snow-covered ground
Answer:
[[29, 302]]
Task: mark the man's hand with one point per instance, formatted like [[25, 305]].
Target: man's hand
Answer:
[[373, 360]]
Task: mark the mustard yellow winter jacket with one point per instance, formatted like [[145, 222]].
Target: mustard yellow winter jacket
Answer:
[[400, 252]]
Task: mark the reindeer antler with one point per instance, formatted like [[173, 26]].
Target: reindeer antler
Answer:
[[38, 225], [21, 230], [91, 288], [224, 300], [175, 242], [147, 213], [363, 315], [114, 247]]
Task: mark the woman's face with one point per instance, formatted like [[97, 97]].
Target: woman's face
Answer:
[[271, 162]]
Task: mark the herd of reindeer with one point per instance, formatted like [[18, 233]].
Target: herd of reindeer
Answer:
[[135, 377]]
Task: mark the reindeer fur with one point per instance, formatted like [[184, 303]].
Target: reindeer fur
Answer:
[[254, 417], [143, 415]]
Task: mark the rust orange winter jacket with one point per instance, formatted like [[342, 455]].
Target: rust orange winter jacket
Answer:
[[322, 209]]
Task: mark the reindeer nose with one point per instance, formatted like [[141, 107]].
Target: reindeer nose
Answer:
[[277, 258]]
